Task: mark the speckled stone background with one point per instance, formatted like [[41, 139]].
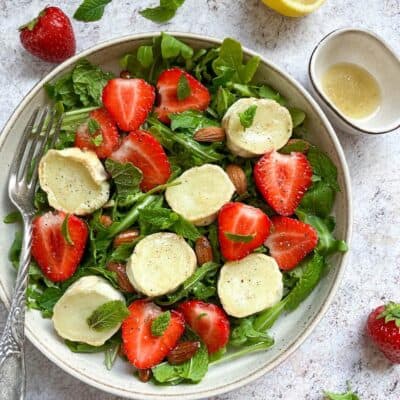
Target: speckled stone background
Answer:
[[337, 350]]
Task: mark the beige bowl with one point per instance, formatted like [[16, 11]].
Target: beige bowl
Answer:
[[289, 331]]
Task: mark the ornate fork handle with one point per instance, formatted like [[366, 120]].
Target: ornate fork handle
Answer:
[[12, 364]]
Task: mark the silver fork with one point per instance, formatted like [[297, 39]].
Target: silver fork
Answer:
[[40, 133]]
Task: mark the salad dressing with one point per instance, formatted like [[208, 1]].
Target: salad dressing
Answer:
[[352, 89]]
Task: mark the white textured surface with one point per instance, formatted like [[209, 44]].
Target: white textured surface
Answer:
[[337, 350]]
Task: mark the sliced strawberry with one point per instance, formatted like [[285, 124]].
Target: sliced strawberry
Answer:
[[128, 101], [241, 229], [283, 179], [290, 241], [145, 152], [107, 134], [142, 348], [209, 322], [167, 85], [57, 258]]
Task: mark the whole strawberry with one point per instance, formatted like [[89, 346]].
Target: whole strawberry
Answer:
[[49, 36], [383, 327]]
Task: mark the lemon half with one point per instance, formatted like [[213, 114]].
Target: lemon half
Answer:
[[294, 8]]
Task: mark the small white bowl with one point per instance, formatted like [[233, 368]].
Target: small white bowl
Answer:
[[367, 50]]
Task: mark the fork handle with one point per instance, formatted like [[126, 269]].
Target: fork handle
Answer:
[[12, 363]]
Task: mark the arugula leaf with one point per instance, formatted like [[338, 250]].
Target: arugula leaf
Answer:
[[204, 277], [12, 217], [223, 100], [145, 56], [239, 238], [126, 177], [192, 370], [323, 167], [318, 200], [160, 324], [245, 334], [327, 244], [267, 92], [298, 145], [164, 12], [48, 299], [91, 10], [172, 47], [65, 231], [108, 315], [191, 121], [247, 116], [111, 354], [298, 116], [183, 90]]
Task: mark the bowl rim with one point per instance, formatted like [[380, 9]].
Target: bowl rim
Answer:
[[312, 323], [324, 98]]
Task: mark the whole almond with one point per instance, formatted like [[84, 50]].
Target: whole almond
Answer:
[[144, 374], [183, 351], [122, 277], [238, 178], [105, 220], [210, 134], [126, 237], [203, 250]]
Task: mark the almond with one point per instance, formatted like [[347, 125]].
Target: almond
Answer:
[[105, 220], [238, 178], [126, 237], [210, 134], [183, 351], [144, 374], [122, 278], [203, 250]]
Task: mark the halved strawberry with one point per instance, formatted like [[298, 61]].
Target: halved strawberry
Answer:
[[102, 141], [282, 179], [198, 95], [142, 348], [241, 229], [145, 152], [128, 101], [290, 241], [209, 322], [57, 258]]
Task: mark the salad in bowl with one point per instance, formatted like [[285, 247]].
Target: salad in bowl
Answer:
[[180, 213]]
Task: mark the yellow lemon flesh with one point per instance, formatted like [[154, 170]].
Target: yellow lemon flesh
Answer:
[[294, 8]]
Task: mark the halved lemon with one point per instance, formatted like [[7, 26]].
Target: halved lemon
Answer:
[[294, 8]]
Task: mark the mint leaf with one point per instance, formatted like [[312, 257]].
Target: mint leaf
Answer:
[[298, 116], [126, 176], [391, 313], [318, 200], [108, 315], [183, 89], [93, 126], [247, 116], [91, 10], [12, 217], [65, 231], [97, 140], [239, 238], [160, 324], [192, 370], [164, 12]]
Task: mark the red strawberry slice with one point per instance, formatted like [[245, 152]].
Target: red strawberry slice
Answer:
[[57, 258], [209, 322], [142, 348], [128, 101], [167, 85], [241, 229], [145, 152], [290, 241], [107, 134], [283, 179]]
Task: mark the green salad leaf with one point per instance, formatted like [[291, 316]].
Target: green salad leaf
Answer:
[[247, 116], [91, 10], [183, 90], [318, 200], [12, 217], [245, 334], [160, 324], [191, 121], [298, 116]]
